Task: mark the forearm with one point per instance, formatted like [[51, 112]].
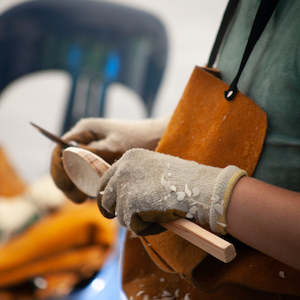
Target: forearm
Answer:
[[267, 218]]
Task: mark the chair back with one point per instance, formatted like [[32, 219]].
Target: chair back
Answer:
[[98, 43]]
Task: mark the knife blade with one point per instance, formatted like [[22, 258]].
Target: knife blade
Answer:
[[54, 137]]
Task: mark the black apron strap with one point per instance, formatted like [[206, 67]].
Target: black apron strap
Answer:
[[262, 17], [227, 16]]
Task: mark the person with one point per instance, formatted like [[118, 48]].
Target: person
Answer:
[[143, 187]]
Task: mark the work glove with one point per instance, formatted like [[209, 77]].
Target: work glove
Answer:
[[145, 188], [109, 139]]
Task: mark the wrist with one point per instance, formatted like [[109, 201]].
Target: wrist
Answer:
[[221, 196]]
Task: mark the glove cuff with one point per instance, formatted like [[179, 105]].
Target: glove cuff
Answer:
[[225, 182]]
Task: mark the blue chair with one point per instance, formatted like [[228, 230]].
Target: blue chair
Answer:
[[98, 43]]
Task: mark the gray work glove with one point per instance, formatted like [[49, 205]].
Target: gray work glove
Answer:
[[145, 188], [121, 135], [107, 138]]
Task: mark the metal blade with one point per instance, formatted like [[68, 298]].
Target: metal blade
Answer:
[[53, 137]]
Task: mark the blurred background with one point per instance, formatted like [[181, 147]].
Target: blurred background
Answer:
[[41, 97], [61, 70]]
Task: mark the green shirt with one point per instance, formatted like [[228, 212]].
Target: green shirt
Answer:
[[272, 79]]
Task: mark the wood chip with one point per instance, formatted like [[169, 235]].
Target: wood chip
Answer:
[[281, 274]]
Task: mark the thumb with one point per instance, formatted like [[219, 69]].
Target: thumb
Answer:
[[106, 199], [62, 180], [106, 148]]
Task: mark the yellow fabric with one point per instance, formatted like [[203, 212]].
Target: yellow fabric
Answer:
[[76, 239], [72, 226], [65, 247], [10, 183]]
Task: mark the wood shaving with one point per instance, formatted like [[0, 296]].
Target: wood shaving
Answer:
[[139, 293], [173, 188], [281, 274], [187, 191], [187, 297], [166, 293], [180, 196], [222, 224], [189, 216]]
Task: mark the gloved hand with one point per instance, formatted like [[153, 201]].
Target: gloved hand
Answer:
[[144, 188], [107, 138]]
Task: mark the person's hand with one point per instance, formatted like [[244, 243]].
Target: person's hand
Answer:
[[145, 188], [107, 138]]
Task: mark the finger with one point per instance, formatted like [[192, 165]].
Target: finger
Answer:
[[90, 141], [76, 195], [140, 227], [58, 173], [148, 222], [84, 137], [108, 149], [108, 193], [104, 212], [108, 155], [157, 216], [88, 124], [62, 180]]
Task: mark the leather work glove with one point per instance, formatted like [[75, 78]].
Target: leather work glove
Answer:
[[145, 188], [107, 138]]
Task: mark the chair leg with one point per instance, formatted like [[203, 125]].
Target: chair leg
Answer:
[[70, 104], [102, 102]]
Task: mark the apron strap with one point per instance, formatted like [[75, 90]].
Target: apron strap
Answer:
[[227, 17], [262, 17]]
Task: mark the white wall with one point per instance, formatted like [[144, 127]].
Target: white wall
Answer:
[[191, 26]]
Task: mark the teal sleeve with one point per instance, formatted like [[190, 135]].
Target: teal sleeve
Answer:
[[272, 79]]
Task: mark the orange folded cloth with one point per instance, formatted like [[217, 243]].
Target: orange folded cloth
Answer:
[[57, 252], [10, 183]]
